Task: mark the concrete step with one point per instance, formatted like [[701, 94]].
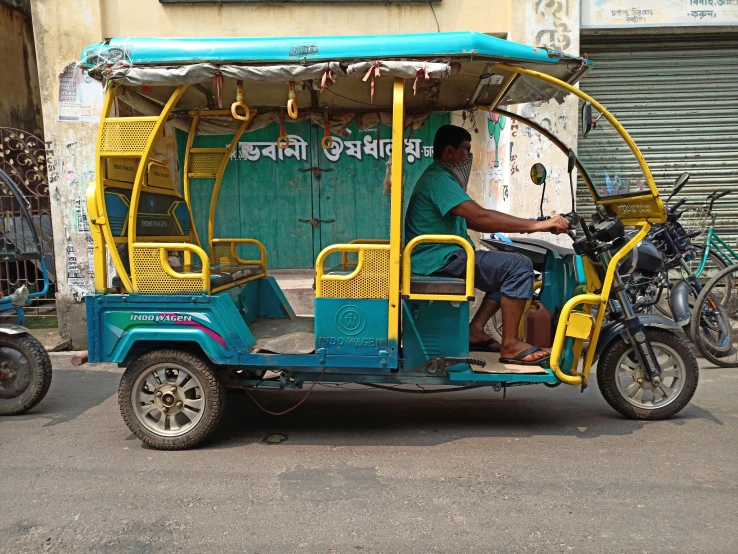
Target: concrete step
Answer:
[[297, 285]]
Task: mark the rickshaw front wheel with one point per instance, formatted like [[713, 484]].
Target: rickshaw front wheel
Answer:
[[171, 399], [621, 379]]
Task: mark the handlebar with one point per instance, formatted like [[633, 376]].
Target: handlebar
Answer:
[[676, 206], [716, 195]]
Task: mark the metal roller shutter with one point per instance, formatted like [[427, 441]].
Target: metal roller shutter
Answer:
[[679, 101]]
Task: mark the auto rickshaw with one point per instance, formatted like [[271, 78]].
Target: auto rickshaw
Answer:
[[189, 314], [25, 366]]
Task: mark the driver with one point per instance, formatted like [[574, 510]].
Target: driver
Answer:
[[440, 205]]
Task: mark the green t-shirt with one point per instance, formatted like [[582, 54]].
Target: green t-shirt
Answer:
[[429, 213]]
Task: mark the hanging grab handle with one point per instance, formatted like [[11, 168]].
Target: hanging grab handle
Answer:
[[292, 108], [327, 141], [240, 104], [283, 141]]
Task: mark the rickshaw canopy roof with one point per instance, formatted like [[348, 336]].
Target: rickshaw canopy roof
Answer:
[[168, 51], [346, 75]]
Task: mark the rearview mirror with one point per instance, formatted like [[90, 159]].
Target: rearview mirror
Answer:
[[586, 118], [538, 174], [679, 184]]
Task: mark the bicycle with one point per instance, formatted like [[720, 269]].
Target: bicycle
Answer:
[[707, 308]]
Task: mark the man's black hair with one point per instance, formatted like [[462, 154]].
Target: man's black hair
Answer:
[[448, 135]]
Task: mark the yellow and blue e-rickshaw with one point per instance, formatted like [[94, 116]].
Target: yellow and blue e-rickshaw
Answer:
[[189, 314]]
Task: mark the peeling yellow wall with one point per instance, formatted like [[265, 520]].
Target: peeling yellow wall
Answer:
[[139, 18]]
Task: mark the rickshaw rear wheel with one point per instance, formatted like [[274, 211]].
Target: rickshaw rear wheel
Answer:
[[25, 373], [621, 381], [171, 399]]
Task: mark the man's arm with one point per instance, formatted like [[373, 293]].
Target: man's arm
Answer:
[[492, 221]]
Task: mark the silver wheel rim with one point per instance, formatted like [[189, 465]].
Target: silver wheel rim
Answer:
[[632, 385], [168, 400]]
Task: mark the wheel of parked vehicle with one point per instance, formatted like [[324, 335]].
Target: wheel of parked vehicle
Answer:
[[621, 379], [25, 373], [170, 399], [716, 325]]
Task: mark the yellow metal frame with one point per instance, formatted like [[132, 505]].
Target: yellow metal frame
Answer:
[[656, 205], [395, 244], [359, 248], [344, 257], [438, 239], [221, 170], [234, 243], [166, 247]]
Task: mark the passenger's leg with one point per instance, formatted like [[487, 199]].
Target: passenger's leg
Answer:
[[486, 310], [509, 277]]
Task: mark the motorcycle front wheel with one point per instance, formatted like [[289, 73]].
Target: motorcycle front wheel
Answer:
[[622, 382]]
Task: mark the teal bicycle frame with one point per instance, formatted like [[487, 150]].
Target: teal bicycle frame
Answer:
[[714, 241]]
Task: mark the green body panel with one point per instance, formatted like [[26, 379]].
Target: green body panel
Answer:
[[263, 195], [432, 329], [351, 326]]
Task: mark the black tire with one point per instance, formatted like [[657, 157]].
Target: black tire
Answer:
[[715, 263], [207, 384], [719, 357], [607, 376], [28, 360]]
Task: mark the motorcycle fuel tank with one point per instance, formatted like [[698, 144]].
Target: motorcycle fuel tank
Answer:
[[649, 258]]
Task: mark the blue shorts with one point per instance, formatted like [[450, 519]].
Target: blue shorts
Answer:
[[496, 273]]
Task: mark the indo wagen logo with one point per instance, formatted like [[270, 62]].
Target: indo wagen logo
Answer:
[[171, 318], [350, 320]]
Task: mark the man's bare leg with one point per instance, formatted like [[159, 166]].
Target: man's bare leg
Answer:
[[512, 312], [486, 310]]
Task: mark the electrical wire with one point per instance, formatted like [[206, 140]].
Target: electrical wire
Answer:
[[262, 408], [435, 16]]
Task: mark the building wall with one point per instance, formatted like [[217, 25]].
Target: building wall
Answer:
[[20, 105]]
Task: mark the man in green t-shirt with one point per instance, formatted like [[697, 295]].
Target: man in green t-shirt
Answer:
[[440, 205]]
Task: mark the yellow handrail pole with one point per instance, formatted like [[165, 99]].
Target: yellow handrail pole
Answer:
[[606, 286], [219, 178], [138, 183], [614, 122], [186, 191], [440, 239], [398, 143], [98, 242], [101, 279], [560, 337]]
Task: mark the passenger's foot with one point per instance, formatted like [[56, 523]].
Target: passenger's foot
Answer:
[[489, 345], [514, 351]]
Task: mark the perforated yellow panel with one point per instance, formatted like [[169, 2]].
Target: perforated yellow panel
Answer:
[[222, 254], [205, 162], [152, 279], [371, 282], [125, 136]]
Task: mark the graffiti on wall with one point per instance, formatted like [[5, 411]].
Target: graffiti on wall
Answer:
[[626, 13]]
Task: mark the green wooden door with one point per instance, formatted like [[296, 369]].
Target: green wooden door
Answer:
[[351, 193], [264, 195]]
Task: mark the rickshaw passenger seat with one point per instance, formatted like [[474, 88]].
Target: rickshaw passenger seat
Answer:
[[424, 284], [164, 217]]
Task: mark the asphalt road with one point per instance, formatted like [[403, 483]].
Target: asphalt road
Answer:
[[544, 470]]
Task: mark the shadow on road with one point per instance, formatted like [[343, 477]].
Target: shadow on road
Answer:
[[378, 418], [72, 393]]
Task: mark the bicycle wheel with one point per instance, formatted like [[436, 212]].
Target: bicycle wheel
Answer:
[[714, 327], [715, 263]]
